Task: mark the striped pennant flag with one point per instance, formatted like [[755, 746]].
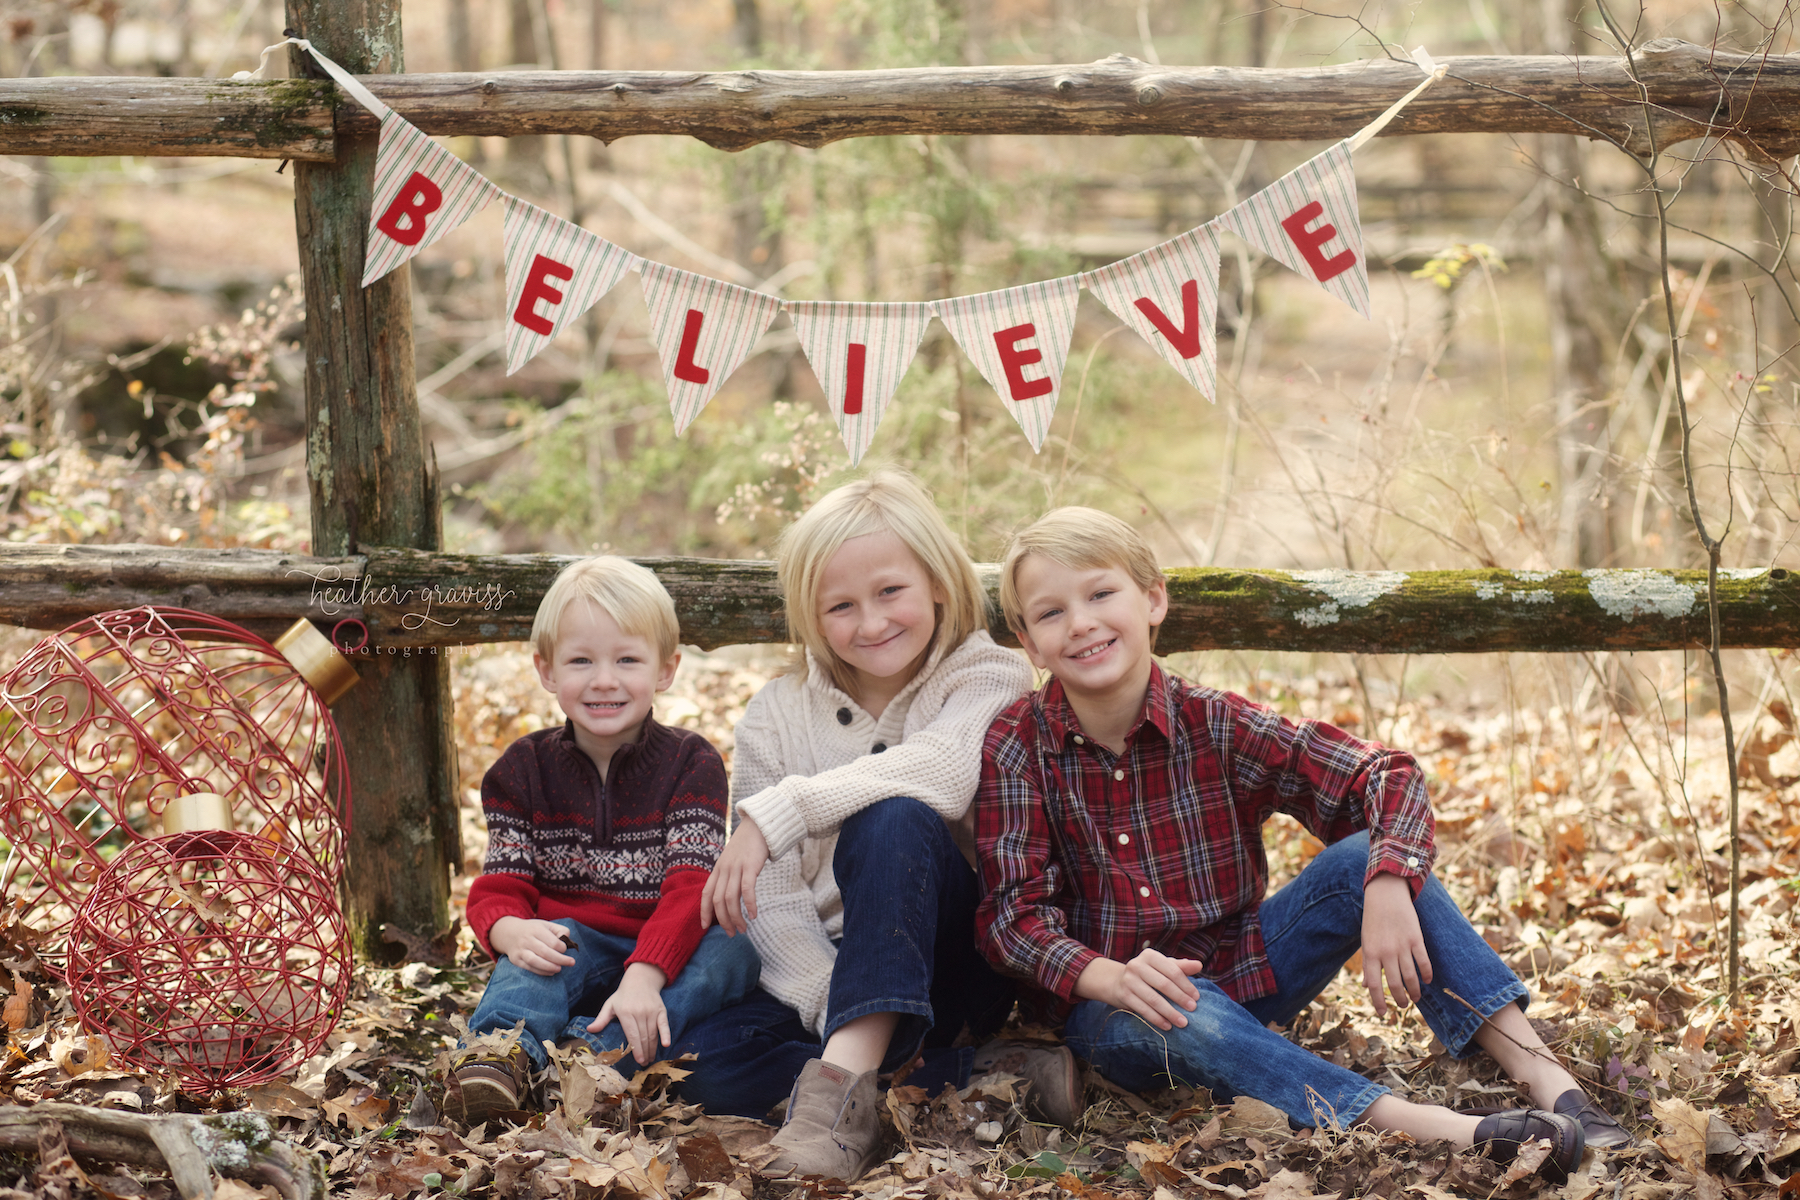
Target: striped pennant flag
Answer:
[[859, 352], [555, 271], [1169, 295], [704, 329], [1018, 339], [422, 192], [1308, 221]]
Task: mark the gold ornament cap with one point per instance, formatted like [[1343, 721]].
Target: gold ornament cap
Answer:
[[317, 660], [196, 811]]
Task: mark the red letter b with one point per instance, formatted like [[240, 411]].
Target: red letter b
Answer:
[[418, 199]]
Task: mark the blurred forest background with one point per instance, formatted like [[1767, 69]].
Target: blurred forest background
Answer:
[[1511, 404]]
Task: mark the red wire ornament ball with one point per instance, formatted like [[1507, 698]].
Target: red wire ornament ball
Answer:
[[104, 724], [218, 957]]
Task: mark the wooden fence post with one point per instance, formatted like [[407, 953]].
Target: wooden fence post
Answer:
[[373, 479]]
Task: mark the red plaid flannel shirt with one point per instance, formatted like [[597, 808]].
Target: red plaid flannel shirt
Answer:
[[1087, 854]]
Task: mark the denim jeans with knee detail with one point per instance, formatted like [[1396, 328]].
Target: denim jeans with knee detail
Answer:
[[1311, 928], [555, 1007], [908, 948]]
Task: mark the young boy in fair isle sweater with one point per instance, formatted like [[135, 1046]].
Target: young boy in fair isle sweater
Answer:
[[601, 835], [1118, 825]]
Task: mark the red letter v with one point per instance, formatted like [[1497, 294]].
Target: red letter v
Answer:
[[1186, 340]]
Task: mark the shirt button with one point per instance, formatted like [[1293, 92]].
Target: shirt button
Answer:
[[1144, 892], [1080, 741], [878, 747], [1124, 839], [843, 716], [1413, 863], [1118, 774], [1146, 945]]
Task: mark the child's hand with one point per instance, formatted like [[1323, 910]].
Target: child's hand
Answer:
[[638, 1007], [733, 880], [1391, 942], [533, 944], [1152, 985]]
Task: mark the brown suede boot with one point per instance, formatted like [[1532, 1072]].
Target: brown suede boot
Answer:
[[1054, 1094], [831, 1128]]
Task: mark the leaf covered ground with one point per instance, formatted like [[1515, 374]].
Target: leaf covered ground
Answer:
[[1586, 840]]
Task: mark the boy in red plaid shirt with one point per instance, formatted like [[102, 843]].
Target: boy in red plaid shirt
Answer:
[[1119, 823]]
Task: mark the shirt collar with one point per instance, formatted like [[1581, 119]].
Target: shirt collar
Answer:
[[1061, 723], [624, 756], [819, 674]]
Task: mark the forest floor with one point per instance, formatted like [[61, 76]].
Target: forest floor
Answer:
[[1587, 845]]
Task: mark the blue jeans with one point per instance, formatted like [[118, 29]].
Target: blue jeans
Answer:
[[722, 971], [908, 947], [1311, 928]]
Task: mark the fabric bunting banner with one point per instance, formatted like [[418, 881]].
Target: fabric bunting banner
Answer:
[[704, 329], [1307, 220], [422, 192], [555, 271], [1018, 339], [859, 352], [1169, 295]]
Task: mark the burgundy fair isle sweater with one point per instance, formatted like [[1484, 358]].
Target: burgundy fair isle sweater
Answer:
[[627, 856]]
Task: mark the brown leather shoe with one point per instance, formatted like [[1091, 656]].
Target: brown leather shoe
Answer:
[[481, 1089], [1597, 1125], [832, 1128], [1054, 1095], [1499, 1137]]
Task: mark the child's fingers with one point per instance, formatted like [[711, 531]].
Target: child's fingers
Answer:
[[1421, 960], [662, 1026], [706, 901], [603, 1020], [1372, 981], [1152, 998], [643, 1039]]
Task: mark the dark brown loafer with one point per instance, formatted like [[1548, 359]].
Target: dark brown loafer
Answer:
[[1499, 1137], [1597, 1125]]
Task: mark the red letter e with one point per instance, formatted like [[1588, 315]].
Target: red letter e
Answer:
[[418, 199], [1309, 241], [1015, 360], [537, 287]]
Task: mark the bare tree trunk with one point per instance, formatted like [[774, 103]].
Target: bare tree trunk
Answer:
[[1573, 282], [525, 156], [597, 157], [463, 56], [746, 27], [373, 480]]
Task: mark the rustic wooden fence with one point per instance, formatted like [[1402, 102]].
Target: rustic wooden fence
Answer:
[[373, 480]]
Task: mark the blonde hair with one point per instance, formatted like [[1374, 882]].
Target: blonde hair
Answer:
[[886, 500], [1082, 539], [630, 594]]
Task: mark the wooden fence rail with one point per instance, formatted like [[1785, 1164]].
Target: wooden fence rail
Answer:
[[410, 599], [1694, 91]]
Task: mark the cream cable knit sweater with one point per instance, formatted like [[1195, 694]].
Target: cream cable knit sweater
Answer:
[[807, 759]]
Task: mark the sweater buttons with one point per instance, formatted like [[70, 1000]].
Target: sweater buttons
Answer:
[[878, 747], [843, 716]]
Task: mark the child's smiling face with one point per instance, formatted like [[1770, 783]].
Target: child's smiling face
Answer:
[[876, 608], [1089, 627], [604, 679]]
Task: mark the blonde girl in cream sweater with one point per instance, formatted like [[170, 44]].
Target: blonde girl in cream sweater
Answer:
[[851, 864]]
